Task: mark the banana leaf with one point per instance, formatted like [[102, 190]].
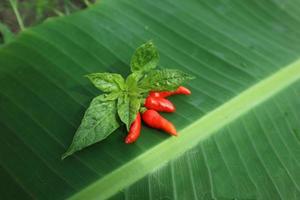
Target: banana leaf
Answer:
[[239, 131]]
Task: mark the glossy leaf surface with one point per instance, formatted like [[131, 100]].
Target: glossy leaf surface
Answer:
[[238, 132]]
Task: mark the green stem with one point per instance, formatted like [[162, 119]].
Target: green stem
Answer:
[[143, 101], [66, 7], [14, 5], [142, 110], [57, 12], [87, 3]]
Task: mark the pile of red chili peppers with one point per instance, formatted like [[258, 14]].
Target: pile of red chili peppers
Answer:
[[154, 103]]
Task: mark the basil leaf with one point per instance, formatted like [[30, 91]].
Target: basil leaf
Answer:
[[164, 80], [132, 82], [107, 82], [145, 58], [99, 121], [109, 97], [128, 107]]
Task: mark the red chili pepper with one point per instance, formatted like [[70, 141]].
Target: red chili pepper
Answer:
[[159, 104], [134, 131], [180, 90], [153, 119]]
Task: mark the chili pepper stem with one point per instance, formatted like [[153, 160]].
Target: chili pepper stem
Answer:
[[142, 110]]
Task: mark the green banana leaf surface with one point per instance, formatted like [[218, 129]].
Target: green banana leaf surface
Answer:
[[239, 131]]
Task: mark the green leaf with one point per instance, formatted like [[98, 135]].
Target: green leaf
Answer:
[[237, 132], [109, 97], [128, 107], [165, 79], [144, 58], [99, 121], [107, 82], [132, 82]]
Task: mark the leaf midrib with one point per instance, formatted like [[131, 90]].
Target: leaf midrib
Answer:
[[194, 133]]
